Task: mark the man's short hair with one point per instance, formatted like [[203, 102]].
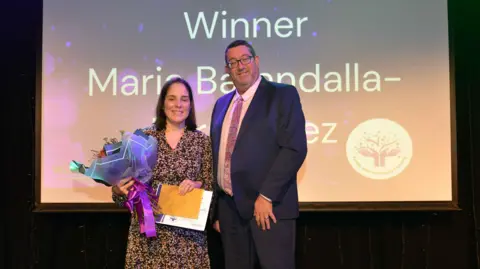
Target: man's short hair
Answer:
[[237, 43]]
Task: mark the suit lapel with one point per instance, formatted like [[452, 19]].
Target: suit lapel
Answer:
[[258, 102]]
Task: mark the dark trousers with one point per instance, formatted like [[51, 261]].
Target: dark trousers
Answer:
[[244, 242]]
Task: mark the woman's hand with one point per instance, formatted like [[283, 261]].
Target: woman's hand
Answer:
[[123, 187], [188, 185]]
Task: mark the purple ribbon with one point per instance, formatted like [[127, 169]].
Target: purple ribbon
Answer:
[[138, 199]]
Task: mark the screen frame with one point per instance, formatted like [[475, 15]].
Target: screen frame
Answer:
[[448, 205]]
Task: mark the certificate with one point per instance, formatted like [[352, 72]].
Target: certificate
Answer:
[[188, 211]]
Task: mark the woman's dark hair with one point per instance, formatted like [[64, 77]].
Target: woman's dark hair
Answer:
[[161, 118]]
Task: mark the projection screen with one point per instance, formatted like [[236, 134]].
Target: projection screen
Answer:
[[374, 79]]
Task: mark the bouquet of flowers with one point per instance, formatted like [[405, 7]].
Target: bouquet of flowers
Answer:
[[134, 156]]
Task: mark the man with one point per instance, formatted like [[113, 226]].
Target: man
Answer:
[[259, 144]]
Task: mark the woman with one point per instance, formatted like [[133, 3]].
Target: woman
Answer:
[[184, 159]]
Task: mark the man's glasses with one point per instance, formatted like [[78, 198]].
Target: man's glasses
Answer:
[[243, 60]]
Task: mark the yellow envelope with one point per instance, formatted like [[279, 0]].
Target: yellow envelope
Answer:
[[171, 203]]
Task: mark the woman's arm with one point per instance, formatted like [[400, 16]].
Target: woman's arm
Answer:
[[205, 177], [206, 174]]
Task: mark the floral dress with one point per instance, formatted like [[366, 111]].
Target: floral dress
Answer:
[[173, 247]]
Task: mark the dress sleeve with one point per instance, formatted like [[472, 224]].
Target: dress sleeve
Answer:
[[206, 171]]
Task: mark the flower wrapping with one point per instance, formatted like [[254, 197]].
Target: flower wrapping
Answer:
[[134, 156]]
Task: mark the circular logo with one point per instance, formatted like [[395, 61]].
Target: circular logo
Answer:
[[379, 149]]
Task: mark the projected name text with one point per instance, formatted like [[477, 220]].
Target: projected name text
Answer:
[[350, 79], [282, 27], [325, 134]]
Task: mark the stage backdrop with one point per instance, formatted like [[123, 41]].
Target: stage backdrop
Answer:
[[373, 76]]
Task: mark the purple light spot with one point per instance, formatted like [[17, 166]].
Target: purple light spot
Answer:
[[275, 9], [68, 44], [250, 42], [140, 27], [314, 34], [158, 61], [53, 27], [258, 27]]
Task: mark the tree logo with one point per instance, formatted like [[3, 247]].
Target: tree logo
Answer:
[[379, 149]]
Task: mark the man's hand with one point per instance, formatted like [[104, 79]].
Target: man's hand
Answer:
[[216, 226], [263, 213]]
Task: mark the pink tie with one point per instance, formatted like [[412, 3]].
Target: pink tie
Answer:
[[232, 138]]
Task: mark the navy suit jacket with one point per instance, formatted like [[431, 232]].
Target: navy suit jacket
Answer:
[[270, 149]]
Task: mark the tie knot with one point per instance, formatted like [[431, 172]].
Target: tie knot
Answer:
[[239, 98]]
